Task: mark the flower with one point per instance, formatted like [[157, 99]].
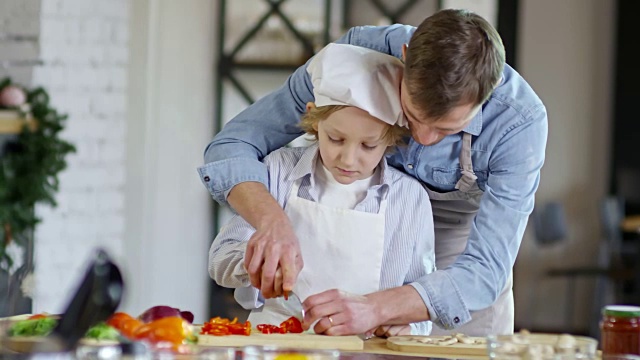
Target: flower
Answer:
[[12, 96]]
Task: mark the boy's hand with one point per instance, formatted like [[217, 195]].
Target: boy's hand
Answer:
[[273, 246]]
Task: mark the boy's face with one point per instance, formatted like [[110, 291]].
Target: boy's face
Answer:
[[351, 144]]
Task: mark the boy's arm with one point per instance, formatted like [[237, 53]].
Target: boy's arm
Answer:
[[226, 255], [424, 258], [228, 250]]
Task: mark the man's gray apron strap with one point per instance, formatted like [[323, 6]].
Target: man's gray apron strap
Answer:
[[453, 215], [468, 178]]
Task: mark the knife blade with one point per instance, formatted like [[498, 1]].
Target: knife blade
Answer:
[[295, 301]]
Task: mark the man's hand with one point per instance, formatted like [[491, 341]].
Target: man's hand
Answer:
[[340, 313], [392, 330], [274, 244], [273, 258]]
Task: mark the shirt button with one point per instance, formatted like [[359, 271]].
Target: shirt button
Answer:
[[410, 166], [206, 179], [456, 319]]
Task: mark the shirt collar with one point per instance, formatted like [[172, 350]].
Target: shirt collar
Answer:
[[307, 162], [475, 126]]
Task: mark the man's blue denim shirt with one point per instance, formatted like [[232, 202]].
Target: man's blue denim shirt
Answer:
[[508, 148]]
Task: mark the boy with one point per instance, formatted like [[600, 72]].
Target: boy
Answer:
[[362, 225]]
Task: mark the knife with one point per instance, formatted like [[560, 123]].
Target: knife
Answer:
[[295, 301]]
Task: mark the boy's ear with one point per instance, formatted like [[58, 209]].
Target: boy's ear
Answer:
[[310, 105], [404, 52]]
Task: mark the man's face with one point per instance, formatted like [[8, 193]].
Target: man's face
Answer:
[[429, 131]]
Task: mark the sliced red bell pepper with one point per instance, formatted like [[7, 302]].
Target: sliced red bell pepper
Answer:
[[220, 326], [270, 329], [292, 325]]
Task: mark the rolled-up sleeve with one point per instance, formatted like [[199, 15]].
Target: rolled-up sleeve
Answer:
[[234, 156]]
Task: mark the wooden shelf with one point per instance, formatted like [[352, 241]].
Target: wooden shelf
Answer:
[[12, 123]]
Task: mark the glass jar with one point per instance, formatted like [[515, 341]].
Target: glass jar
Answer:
[[620, 330]]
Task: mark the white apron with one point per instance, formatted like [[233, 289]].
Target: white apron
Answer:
[[341, 248], [453, 213]]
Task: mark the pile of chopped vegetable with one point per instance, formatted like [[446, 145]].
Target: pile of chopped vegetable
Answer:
[[221, 326], [159, 324], [218, 326]]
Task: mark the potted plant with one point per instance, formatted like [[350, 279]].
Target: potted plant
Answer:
[[31, 156]]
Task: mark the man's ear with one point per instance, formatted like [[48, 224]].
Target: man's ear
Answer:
[[310, 105], [404, 52]]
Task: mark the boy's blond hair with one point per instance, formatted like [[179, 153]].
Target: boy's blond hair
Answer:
[[394, 135]]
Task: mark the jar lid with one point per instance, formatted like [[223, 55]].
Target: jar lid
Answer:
[[621, 310]]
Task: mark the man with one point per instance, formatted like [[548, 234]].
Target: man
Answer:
[[478, 138]]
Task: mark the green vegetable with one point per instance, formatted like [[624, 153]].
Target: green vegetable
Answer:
[[33, 327], [44, 326], [102, 331]]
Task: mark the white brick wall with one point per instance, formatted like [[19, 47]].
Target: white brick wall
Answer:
[[80, 52]]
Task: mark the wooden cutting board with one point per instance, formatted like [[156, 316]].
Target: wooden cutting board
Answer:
[[300, 341], [411, 343]]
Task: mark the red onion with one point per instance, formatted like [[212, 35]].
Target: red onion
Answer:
[[187, 315], [158, 312]]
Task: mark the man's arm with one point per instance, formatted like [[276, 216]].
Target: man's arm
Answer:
[[478, 276], [234, 172], [262, 211], [507, 202]]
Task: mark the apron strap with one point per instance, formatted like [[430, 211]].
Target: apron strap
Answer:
[[468, 176]]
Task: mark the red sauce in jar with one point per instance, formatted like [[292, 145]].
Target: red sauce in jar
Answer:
[[620, 330]]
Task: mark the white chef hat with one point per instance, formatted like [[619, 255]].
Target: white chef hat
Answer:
[[355, 76]]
